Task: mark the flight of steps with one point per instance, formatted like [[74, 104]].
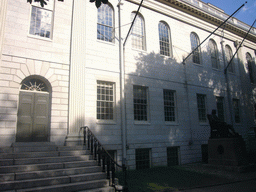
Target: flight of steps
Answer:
[[43, 166]]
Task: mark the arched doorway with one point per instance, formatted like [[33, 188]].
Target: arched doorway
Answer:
[[34, 110]]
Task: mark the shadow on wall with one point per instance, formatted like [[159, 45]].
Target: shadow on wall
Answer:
[[8, 118], [163, 71]]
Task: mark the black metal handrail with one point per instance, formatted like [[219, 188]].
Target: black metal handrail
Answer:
[[104, 159]]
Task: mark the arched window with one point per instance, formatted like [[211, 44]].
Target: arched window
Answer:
[[250, 66], [229, 55], [214, 54], [105, 24], [194, 43], [138, 32], [164, 39]]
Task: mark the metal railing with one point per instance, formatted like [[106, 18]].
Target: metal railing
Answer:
[[104, 159]]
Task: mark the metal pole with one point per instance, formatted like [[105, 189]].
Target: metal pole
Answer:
[[132, 23], [122, 82]]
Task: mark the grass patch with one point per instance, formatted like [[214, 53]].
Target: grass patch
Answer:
[[160, 179]]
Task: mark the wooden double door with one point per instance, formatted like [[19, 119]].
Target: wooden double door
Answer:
[[33, 117]]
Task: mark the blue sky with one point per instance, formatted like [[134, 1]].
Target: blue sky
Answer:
[[247, 14]]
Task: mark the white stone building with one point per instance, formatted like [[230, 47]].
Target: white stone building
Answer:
[[62, 68]]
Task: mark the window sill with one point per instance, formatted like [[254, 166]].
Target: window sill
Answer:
[[106, 42], [218, 70], [141, 122], [166, 57], [197, 64], [203, 123], [231, 73], [139, 50], [39, 38], [106, 122], [172, 123]]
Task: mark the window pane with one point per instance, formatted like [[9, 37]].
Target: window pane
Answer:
[[201, 105], [105, 106], [236, 108], [140, 103], [229, 55], [164, 39], [138, 36], [220, 108], [172, 156], [194, 43], [105, 30], [40, 23], [250, 67], [142, 158], [214, 54], [169, 105]]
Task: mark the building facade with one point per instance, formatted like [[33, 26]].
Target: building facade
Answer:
[[63, 66]]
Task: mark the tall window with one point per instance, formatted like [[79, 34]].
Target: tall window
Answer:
[[250, 66], [105, 25], [138, 32], [41, 19], [236, 107], [201, 105], [164, 39], [220, 107], [229, 55], [194, 43], [214, 54], [140, 103], [169, 105], [105, 100]]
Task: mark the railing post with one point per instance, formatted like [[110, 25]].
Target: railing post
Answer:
[[92, 138], [103, 162], [88, 140], [95, 149], [84, 136], [99, 155], [113, 172], [108, 168]]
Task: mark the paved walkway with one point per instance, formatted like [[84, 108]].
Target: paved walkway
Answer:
[[239, 182]]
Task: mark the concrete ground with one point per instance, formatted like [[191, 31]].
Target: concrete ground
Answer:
[[238, 181]]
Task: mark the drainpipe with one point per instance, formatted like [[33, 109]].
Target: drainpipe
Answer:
[[122, 83], [70, 58]]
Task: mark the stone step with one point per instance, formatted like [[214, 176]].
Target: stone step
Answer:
[[57, 172], [43, 154], [70, 187], [32, 144], [22, 184], [34, 149], [59, 159], [46, 166], [6, 150], [19, 149], [28, 155], [105, 189]]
